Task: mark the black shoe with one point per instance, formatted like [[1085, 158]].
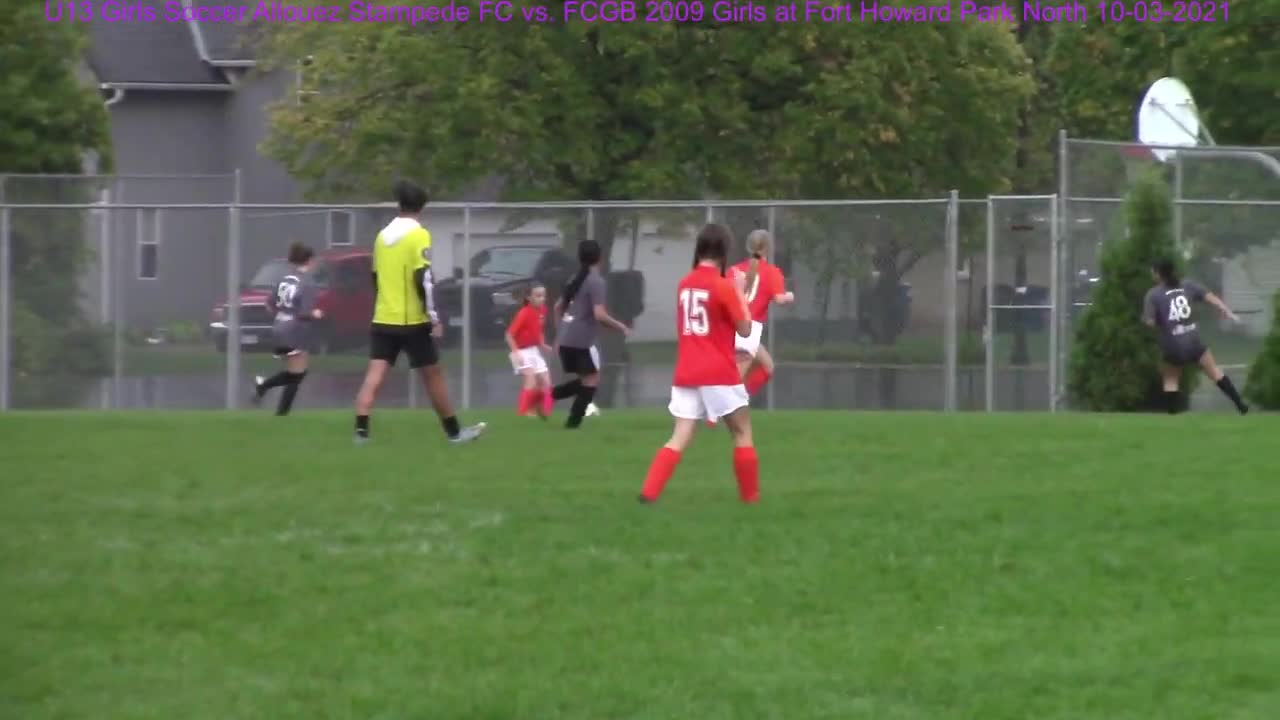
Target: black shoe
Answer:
[[645, 501]]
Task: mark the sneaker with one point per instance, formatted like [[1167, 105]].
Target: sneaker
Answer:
[[469, 433], [645, 501], [256, 399], [592, 410], [360, 439]]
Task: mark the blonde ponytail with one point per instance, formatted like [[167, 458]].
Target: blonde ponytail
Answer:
[[757, 245]]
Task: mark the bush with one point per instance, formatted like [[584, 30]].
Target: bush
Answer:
[[1115, 362], [1262, 387]]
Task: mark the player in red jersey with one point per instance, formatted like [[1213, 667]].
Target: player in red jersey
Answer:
[[764, 285], [527, 343], [710, 312]]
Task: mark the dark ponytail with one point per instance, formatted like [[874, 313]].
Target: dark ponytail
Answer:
[[588, 256], [1167, 271]]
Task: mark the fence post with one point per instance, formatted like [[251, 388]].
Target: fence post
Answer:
[[1065, 249], [989, 332], [466, 308], [951, 292], [233, 299], [711, 215], [1055, 308], [769, 328], [116, 259], [1177, 201], [6, 307]]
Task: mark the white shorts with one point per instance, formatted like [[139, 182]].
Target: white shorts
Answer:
[[530, 359], [751, 343], [711, 402]]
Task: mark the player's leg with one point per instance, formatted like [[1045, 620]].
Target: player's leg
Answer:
[[761, 371], [588, 369], [547, 403], [528, 392], [296, 368], [570, 358], [384, 349], [425, 359], [261, 385], [1170, 374], [1215, 373], [686, 407], [733, 403]]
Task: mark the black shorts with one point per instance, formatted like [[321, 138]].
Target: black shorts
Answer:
[[579, 361], [1182, 351], [284, 351], [387, 342]]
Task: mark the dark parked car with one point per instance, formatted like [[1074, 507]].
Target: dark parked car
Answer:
[[499, 276]]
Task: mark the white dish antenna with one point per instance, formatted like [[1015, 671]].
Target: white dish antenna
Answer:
[[1168, 117]]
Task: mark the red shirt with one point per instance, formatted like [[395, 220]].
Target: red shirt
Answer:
[[769, 283], [526, 326], [707, 309]]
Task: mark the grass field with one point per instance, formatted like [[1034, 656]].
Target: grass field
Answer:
[[995, 567]]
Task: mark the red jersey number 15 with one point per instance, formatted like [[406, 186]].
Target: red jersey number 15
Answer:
[[693, 312]]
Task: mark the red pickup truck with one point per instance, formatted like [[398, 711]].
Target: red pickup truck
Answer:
[[346, 298]]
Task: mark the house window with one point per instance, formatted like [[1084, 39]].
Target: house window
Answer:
[[340, 228], [148, 234]]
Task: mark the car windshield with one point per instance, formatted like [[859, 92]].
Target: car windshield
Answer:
[[269, 275], [508, 261]]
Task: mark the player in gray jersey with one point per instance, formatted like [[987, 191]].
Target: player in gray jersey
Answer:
[[1167, 308], [579, 314], [294, 305]]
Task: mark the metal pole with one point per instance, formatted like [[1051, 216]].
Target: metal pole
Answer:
[[233, 299], [1177, 202], [772, 223], [6, 303], [591, 224], [104, 282], [1065, 266], [990, 329], [711, 215], [950, 293], [1055, 306], [118, 257], [466, 308]]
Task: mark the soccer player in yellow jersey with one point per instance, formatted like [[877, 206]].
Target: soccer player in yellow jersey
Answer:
[[404, 317]]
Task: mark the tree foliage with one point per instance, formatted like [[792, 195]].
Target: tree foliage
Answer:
[[50, 121], [1114, 359], [1262, 387]]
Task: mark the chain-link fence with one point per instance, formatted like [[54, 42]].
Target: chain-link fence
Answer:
[[1226, 222], [150, 292]]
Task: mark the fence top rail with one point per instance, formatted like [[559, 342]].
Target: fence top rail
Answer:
[[1184, 201], [1190, 149], [1023, 197], [655, 205], [129, 176]]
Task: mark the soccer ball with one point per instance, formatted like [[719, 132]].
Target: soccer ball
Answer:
[[592, 410]]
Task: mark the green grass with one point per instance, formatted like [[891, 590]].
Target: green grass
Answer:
[[907, 566]]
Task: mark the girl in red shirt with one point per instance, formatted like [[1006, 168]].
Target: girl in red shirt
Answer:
[[527, 344]]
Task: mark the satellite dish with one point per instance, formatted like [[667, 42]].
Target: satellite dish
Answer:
[[1168, 117]]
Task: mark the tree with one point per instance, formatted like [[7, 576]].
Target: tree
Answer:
[[1114, 359], [1262, 387], [633, 110], [50, 121]]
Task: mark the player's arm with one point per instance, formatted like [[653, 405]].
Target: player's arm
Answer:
[[782, 296], [1218, 303], [307, 298], [516, 325], [735, 302], [422, 280], [598, 309]]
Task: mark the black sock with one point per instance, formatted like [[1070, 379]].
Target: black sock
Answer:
[[566, 390], [362, 425], [1172, 399], [290, 392], [275, 381], [1229, 389], [579, 408], [451, 426]]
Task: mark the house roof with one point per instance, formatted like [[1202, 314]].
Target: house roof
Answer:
[[148, 52]]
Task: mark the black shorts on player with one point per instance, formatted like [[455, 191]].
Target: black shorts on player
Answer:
[[1182, 352], [578, 361], [386, 342]]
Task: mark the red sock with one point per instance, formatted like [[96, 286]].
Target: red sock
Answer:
[[746, 467], [548, 402], [526, 402], [756, 379], [660, 470]]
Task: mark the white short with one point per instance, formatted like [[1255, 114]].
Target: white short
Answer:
[[711, 402], [530, 359], [751, 343]]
